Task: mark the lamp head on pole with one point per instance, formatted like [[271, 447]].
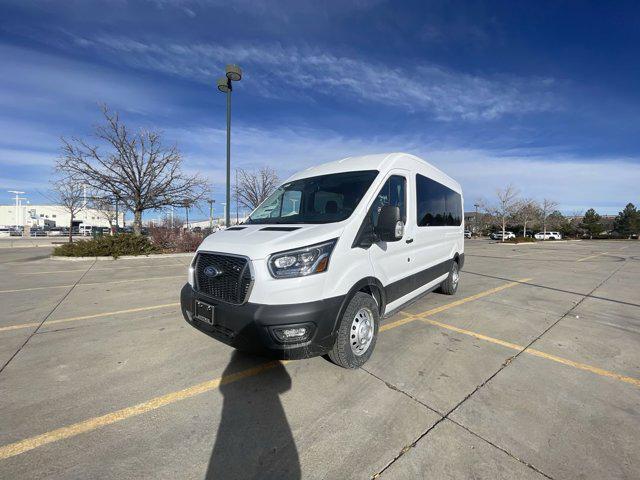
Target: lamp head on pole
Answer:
[[223, 84], [234, 73]]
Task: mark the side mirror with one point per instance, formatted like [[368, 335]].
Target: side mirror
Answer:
[[390, 227]]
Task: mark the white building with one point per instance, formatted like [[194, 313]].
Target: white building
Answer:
[[53, 216]]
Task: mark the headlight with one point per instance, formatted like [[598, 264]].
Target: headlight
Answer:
[[191, 273], [301, 261]]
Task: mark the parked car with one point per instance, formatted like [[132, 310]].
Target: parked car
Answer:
[[326, 256], [467, 234], [498, 235], [548, 236]]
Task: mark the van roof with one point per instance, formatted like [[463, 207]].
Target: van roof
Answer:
[[381, 162]]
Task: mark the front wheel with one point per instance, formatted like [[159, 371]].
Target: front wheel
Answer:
[[357, 333], [450, 285]]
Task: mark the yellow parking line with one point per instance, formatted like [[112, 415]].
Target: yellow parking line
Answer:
[[91, 424], [145, 279], [22, 446], [537, 353], [88, 317], [433, 311], [591, 256]]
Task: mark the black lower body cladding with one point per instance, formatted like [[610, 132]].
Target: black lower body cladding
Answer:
[[249, 327]]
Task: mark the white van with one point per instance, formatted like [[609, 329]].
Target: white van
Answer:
[[333, 250]]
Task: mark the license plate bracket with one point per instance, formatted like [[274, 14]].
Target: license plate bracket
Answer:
[[205, 312]]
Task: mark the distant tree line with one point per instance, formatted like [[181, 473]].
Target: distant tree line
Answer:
[[508, 211]]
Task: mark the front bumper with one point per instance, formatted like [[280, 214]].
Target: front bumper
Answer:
[[249, 326]]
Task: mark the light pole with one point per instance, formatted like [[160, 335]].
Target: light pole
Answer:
[[237, 220], [17, 194], [233, 74], [84, 208], [117, 227], [211, 202], [476, 218]]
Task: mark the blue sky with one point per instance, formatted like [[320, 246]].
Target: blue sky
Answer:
[[544, 95]]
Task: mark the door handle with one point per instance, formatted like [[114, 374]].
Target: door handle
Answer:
[[409, 240]]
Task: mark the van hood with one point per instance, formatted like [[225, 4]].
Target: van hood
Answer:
[[260, 241]]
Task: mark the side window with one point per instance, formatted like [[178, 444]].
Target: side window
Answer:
[[453, 204], [437, 205], [393, 192]]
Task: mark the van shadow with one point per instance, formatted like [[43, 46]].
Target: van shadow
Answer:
[[254, 439]]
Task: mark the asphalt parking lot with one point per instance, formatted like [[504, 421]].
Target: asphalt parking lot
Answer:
[[532, 370]]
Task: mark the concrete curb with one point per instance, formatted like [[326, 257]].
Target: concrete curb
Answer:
[[125, 257], [26, 246], [539, 242]]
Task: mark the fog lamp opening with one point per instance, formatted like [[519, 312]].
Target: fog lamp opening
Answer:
[[292, 333]]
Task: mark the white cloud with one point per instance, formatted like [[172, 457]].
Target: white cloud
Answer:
[[576, 183], [276, 71], [606, 184]]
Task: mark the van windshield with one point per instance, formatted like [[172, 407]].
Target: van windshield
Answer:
[[322, 199]]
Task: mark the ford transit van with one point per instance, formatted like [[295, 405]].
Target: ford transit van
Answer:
[[332, 251]]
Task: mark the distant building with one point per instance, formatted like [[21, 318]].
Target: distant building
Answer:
[[52, 216]]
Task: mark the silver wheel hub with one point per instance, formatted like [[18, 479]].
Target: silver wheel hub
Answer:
[[361, 332], [455, 275]]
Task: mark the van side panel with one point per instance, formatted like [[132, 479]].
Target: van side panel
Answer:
[[433, 247]]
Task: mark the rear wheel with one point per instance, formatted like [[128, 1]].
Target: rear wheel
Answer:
[[450, 285], [357, 333]]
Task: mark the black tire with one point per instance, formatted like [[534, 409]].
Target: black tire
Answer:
[[342, 353], [450, 285]]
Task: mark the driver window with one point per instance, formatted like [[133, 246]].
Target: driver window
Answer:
[[393, 192]]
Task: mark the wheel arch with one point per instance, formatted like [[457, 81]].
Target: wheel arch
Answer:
[[370, 285], [459, 259]]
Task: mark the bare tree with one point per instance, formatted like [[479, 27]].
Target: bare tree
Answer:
[[526, 212], [505, 207], [254, 187], [133, 166], [546, 208], [106, 209], [70, 195]]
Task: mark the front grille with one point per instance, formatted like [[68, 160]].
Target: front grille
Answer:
[[228, 280]]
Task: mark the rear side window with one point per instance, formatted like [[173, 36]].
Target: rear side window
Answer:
[[437, 205]]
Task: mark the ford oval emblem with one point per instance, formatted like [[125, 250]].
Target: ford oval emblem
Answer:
[[211, 271]]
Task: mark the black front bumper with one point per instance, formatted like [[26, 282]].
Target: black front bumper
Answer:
[[249, 326]]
